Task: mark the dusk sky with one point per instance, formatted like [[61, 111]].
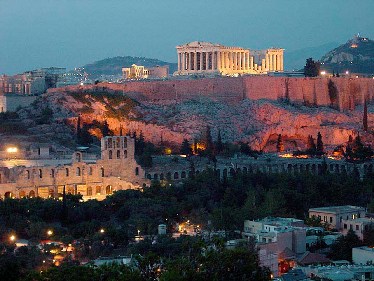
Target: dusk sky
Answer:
[[70, 33]]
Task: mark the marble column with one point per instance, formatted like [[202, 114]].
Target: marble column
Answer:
[[244, 61], [278, 62], [274, 62], [206, 60], [251, 66], [201, 60], [281, 62], [267, 62], [218, 60], [270, 62], [195, 61], [179, 61]]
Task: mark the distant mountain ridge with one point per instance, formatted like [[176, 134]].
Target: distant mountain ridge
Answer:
[[356, 56], [113, 66]]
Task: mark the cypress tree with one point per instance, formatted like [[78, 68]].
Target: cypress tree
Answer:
[[280, 145], [365, 117], [319, 143], [185, 148], [219, 146]]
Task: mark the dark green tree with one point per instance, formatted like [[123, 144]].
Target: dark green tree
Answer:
[[342, 248], [219, 144], [311, 68], [105, 131], [280, 145], [333, 94], [319, 147], [186, 148]]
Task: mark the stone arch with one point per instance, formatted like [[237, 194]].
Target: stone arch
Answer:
[[118, 142], [232, 172], [70, 190], [155, 176], [125, 154], [40, 173], [137, 171], [108, 189], [22, 194], [224, 173], [89, 190], [8, 194], [32, 194], [118, 154], [110, 154], [110, 143], [176, 175], [238, 170], [183, 175], [28, 174], [98, 190], [78, 157], [125, 143], [90, 171], [78, 171], [149, 176], [102, 173]]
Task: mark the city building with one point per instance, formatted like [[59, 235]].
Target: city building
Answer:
[[359, 226], [333, 216], [12, 102], [363, 255], [141, 72], [339, 272], [209, 59]]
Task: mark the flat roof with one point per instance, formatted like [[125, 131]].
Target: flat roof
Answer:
[[337, 209]]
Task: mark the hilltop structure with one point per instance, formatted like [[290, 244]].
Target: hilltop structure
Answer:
[[141, 72], [208, 58]]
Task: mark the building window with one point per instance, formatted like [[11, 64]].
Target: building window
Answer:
[[109, 143], [345, 226], [110, 154], [89, 191], [40, 173], [125, 154], [90, 171], [102, 172], [137, 171], [78, 171], [98, 190], [118, 154], [350, 227], [67, 172], [28, 174], [357, 227], [125, 143], [330, 219]]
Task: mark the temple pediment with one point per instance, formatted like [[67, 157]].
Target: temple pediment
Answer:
[[200, 44]]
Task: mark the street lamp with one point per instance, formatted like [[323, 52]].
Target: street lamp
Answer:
[[49, 232], [138, 232], [102, 230], [12, 238]]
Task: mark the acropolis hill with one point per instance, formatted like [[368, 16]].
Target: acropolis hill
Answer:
[[253, 109]]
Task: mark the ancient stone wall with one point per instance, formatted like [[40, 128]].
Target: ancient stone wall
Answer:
[[309, 91]]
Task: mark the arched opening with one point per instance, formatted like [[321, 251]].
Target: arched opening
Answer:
[[89, 190], [118, 154], [8, 194], [176, 175], [98, 190], [40, 173], [109, 142], [102, 172], [137, 171], [183, 175], [70, 190], [110, 154], [67, 172], [22, 194], [32, 194], [78, 171], [28, 174], [232, 172], [155, 176], [125, 154], [108, 189], [118, 142], [90, 171], [149, 176], [125, 143]]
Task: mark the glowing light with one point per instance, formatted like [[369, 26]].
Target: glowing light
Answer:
[[49, 232], [347, 72], [168, 151], [286, 155], [12, 149], [102, 230], [323, 72], [138, 232], [12, 238]]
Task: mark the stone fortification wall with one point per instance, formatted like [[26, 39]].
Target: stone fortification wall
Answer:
[[312, 91]]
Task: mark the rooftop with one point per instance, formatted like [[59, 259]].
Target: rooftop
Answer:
[[337, 209]]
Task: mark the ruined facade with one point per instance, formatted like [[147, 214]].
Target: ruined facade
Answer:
[[208, 58]]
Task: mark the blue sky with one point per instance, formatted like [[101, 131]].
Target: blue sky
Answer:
[[69, 33]]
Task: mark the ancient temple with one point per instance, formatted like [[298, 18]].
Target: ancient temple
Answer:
[[208, 58]]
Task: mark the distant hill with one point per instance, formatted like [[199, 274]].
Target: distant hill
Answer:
[[356, 56], [295, 60], [113, 66]]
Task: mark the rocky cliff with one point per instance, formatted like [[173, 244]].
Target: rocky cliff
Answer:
[[249, 109]]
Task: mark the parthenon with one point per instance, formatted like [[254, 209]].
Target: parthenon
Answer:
[[208, 58]]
